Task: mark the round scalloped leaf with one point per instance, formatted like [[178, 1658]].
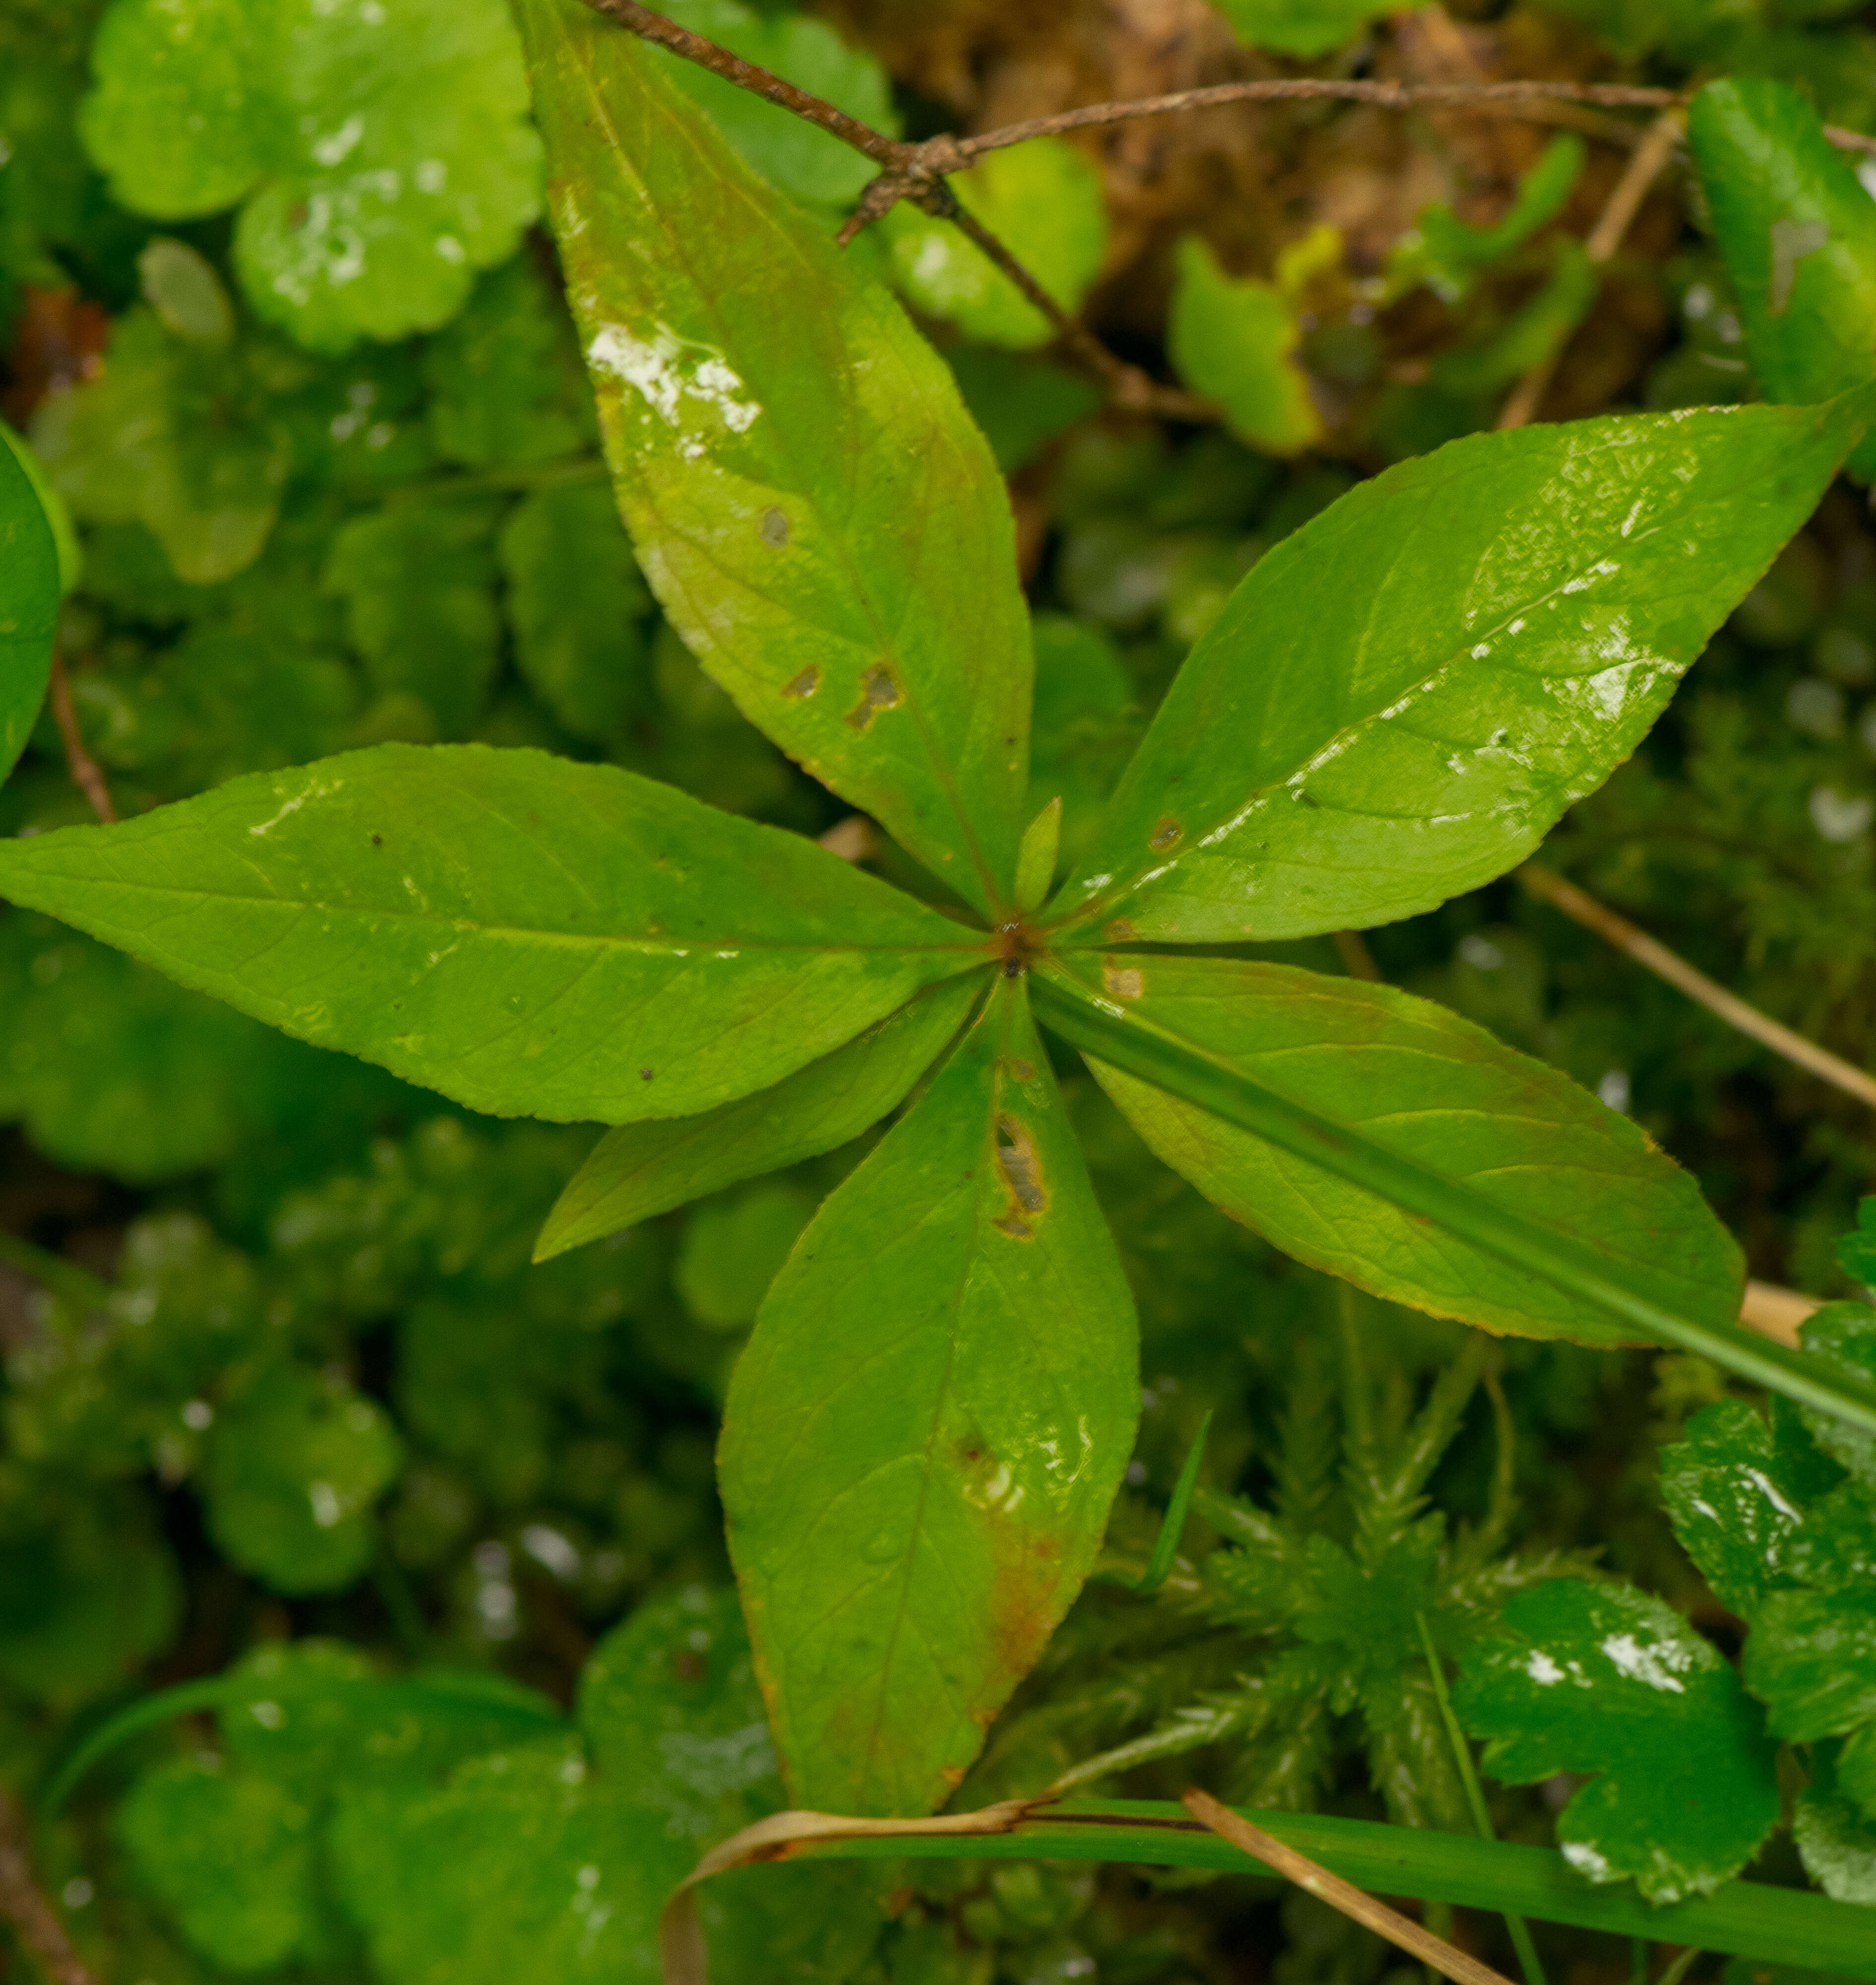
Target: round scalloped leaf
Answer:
[[293, 1469], [382, 152], [232, 1856], [1607, 1680]]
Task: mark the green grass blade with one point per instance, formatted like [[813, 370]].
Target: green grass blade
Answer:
[[1140, 1049], [1165, 1546], [1532, 1965], [1750, 1919]]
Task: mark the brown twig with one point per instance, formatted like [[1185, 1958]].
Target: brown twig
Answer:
[[1617, 216], [666, 34], [918, 172], [86, 773], [1127, 385], [23, 1903], [1636, 944], [1317, 89], [1354, 1903]]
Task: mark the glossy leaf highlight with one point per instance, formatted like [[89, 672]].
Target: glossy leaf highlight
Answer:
[[532, 936], [816, 513], [1413, 1080], [1608, 1679], [1400, 700], [925, 1431]]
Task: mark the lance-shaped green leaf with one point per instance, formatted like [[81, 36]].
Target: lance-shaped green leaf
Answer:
[[1608, 1679], [640, 1170], [923, 1435], [1796, 230], [1399, 700], [813, 506], [28, 603], [530, 936], [1409, 1080]]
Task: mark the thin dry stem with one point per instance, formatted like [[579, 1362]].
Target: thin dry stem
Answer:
[[1510, 96], [1354, 1903], [666, 34], [24, 1905], [918, 172], [87, 775], [1617, 216], [1358, 961], [1636, 944]]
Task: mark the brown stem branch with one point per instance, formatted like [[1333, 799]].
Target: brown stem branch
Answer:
[[86, 773], [1636, 944], [1127, 386], [23, 1903], [1614, 222], [1305, 89], [666, 34]]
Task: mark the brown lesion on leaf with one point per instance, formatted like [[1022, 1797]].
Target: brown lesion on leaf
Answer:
[[1022, 1171], [879, 690], [1119, 932], [1168, 833], [1022, 1070], [805, 683], [774, 528], [1122, 982]]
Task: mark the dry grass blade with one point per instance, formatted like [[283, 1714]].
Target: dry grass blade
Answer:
[[1636, 944], [682, 1952], [1354, 1903], [1653, 152], [87, 775]]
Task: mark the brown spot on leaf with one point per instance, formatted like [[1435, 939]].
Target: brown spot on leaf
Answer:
[[1022, 1070], [1023, 1179], [1120, 932], [878, 691], [1122, 982], [1167, 834], [805, 683], [774, 528]]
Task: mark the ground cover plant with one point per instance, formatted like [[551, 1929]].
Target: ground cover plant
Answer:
[[1148, 1333]]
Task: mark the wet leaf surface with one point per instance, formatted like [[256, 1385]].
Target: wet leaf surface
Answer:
[[1400, 698], [526, 933], [1737, 1489], [905, 1547], [1608, 1679], [1414, 1078], [813, 509]]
